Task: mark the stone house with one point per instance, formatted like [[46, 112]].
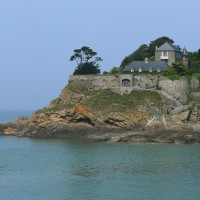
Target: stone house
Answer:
[[165, 55], [170, 53]]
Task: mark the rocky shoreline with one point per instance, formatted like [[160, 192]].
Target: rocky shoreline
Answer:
[[119, 128], [141, 116]]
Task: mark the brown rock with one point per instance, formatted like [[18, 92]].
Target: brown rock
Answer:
[[9, 131], [79, 109]]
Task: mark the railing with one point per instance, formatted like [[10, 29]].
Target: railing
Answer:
[[164, 57]]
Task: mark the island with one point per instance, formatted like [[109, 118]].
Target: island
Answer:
[[138, 103]]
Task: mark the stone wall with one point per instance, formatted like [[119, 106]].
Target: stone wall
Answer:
[[177, 89], [195, 96], [146, 82], [97, 82], [194, 83]]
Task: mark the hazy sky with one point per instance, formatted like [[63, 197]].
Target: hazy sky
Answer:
[[37, 38]]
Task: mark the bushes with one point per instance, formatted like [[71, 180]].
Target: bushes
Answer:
[[176, 69]]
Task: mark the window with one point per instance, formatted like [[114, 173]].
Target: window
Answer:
[[164, 53], [158, 70]]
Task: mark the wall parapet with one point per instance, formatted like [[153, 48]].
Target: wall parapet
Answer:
[[125, 83]]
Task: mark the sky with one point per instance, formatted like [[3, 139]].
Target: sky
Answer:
[[37, 38]]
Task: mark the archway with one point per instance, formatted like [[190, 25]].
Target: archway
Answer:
[[126, 83]]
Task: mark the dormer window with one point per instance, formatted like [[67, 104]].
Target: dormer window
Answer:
[[150, 69], [132, 70], [140, 69], [158, 70]]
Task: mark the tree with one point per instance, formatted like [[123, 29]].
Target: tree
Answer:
[[194, 60], [158, 42], [114, 70], [176, 69], [87, 61], [138, 55]]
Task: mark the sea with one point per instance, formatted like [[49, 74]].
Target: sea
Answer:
[[73, 169]]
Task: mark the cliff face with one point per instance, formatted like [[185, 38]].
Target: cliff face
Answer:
[[101, 114]]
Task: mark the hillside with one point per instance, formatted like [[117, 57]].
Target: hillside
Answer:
[[104, 115]]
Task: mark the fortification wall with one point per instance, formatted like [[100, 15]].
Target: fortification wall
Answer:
[[178, 89], [146, 82], [125, 83], [97, 82]]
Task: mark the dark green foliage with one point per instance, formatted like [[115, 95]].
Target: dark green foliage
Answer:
[[138, 55], [176, 69], [158, 42], [193, 70], [194, 56], [87, 68], [86, 61], [145, 51], [194, 60], [114, 70]]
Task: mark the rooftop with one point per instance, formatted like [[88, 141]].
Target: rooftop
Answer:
[[168, 47], [145, 66]]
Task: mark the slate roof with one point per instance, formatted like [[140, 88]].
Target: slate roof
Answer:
[[153, 65], [168, 47]]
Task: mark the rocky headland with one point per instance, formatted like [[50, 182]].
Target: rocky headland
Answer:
[[98, 108]]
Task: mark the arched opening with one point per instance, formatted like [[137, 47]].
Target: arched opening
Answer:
[[126, 83]]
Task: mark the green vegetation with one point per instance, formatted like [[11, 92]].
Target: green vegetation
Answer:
[[194, 60], [86, 61], [176, 69], [145, 51], [114, 70], [174, 72], [108, 101], [56, 105], [174, 77]]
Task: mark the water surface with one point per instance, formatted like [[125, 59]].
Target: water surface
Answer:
[[58, 169]]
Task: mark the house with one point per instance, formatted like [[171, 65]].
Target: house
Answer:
[[146, 66], [165, 55], [170, 53]]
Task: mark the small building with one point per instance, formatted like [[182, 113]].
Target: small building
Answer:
[[165, 55]]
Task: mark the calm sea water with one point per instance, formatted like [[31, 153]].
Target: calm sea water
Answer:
[[66, 169], [60, 169]]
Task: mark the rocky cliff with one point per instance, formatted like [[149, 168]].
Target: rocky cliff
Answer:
[[143, 115]]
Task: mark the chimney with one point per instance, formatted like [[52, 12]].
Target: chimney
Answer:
[[146, 60]]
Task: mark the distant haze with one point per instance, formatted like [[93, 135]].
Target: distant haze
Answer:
[[39, 36]]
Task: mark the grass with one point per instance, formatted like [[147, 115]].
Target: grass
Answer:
[[56, 107], [174, 77], [108, 101]]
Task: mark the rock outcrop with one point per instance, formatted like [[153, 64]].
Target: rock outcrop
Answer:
[[140, 115]]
